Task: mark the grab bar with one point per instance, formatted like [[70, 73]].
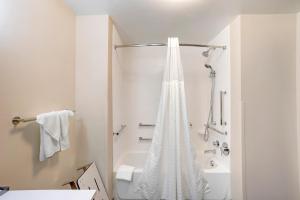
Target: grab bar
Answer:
[[153, 125], [144, 139], [17, 120], [216, 130], [222, 122], [123, 126]]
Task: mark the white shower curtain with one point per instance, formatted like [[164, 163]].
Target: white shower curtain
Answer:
[[171, 171]]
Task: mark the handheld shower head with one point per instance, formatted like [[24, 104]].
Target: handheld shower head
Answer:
[[208, 66], [212, 71]]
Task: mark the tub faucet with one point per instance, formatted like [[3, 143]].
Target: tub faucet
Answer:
[[213, 151]]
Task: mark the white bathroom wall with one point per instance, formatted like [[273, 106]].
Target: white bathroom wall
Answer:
[[93, 92], [268, 52], [138, 79], [141, 80], [220, 60], [142, 70]]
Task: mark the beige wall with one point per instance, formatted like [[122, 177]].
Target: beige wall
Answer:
[[37, 58], [237, 176], [268, 46], [93, 92]]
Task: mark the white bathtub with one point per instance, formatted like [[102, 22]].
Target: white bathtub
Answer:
[[217, 177]]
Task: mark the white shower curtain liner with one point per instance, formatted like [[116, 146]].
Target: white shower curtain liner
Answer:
[[171, 171]]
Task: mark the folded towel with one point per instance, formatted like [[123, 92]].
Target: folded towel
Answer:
[[125, 172], [53, 132]]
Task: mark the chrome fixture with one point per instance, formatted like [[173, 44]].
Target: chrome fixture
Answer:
[[225, 149], [207, 52], [212, 151], [123, 126], [222, 122], [214, 129], [216, 143], [212, 71], [16, 120], [210, 118], [144, 139], [163, 44]]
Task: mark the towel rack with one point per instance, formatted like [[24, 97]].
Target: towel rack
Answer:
[[16, 120]]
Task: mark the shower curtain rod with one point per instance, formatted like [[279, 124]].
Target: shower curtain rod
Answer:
[[163, 44]]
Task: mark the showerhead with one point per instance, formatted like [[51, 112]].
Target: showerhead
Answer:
[[206, 53]]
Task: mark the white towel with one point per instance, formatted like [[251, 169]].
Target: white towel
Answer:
[[54, 132], [64, 123], [125, 172]]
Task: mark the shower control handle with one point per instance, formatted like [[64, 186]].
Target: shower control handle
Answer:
[[225, 149], [216, 143]]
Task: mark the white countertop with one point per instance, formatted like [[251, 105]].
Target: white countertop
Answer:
[[48, 195]]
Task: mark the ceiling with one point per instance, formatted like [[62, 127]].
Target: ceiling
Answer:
[[194, 21]]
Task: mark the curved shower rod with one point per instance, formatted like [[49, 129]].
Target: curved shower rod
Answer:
[[163, 44]]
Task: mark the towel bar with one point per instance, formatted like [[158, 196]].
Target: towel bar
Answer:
[[16, 120]]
